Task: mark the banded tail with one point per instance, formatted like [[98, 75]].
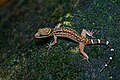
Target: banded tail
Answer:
[[107, 43]]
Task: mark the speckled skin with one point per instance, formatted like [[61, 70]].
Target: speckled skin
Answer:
[[73, 35], [63, 32], [70, 33]]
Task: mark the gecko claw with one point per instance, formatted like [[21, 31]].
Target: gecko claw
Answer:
[[94, 31], [91, 31], [88, 61], [49, 46]]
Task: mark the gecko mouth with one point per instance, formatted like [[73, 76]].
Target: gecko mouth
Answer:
[[39, 36]]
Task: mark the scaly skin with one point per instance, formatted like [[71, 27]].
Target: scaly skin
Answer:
[[59, 31]]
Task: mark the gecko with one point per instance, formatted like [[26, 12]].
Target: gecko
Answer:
[[81, 39]]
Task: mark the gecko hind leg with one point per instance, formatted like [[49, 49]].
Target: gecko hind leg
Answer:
[[82, 45], [53, 43], [84, 55]]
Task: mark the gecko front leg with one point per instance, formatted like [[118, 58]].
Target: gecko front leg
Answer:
[[53, 43], [59, 25], [55, 37]]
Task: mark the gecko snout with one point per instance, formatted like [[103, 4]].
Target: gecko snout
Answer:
[[37, 35]]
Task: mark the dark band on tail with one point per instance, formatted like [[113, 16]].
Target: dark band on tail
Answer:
[[107, 43], [110, 58]]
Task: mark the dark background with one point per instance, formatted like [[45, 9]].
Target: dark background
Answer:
[[22, 57]]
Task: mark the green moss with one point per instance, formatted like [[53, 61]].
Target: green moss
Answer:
[[23, 57]]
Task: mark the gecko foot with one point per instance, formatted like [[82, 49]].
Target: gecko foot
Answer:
[[86, 60], [49, 46], [90, 33]]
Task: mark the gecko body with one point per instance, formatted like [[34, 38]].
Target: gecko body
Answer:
[[62, 32], [59, 31]]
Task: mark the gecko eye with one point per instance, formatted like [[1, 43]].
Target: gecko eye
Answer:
[[42, 33], [45, 31]]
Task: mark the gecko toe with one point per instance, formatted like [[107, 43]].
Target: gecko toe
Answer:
[[49, 46]]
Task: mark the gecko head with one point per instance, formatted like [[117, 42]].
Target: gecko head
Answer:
[[42, 33]]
